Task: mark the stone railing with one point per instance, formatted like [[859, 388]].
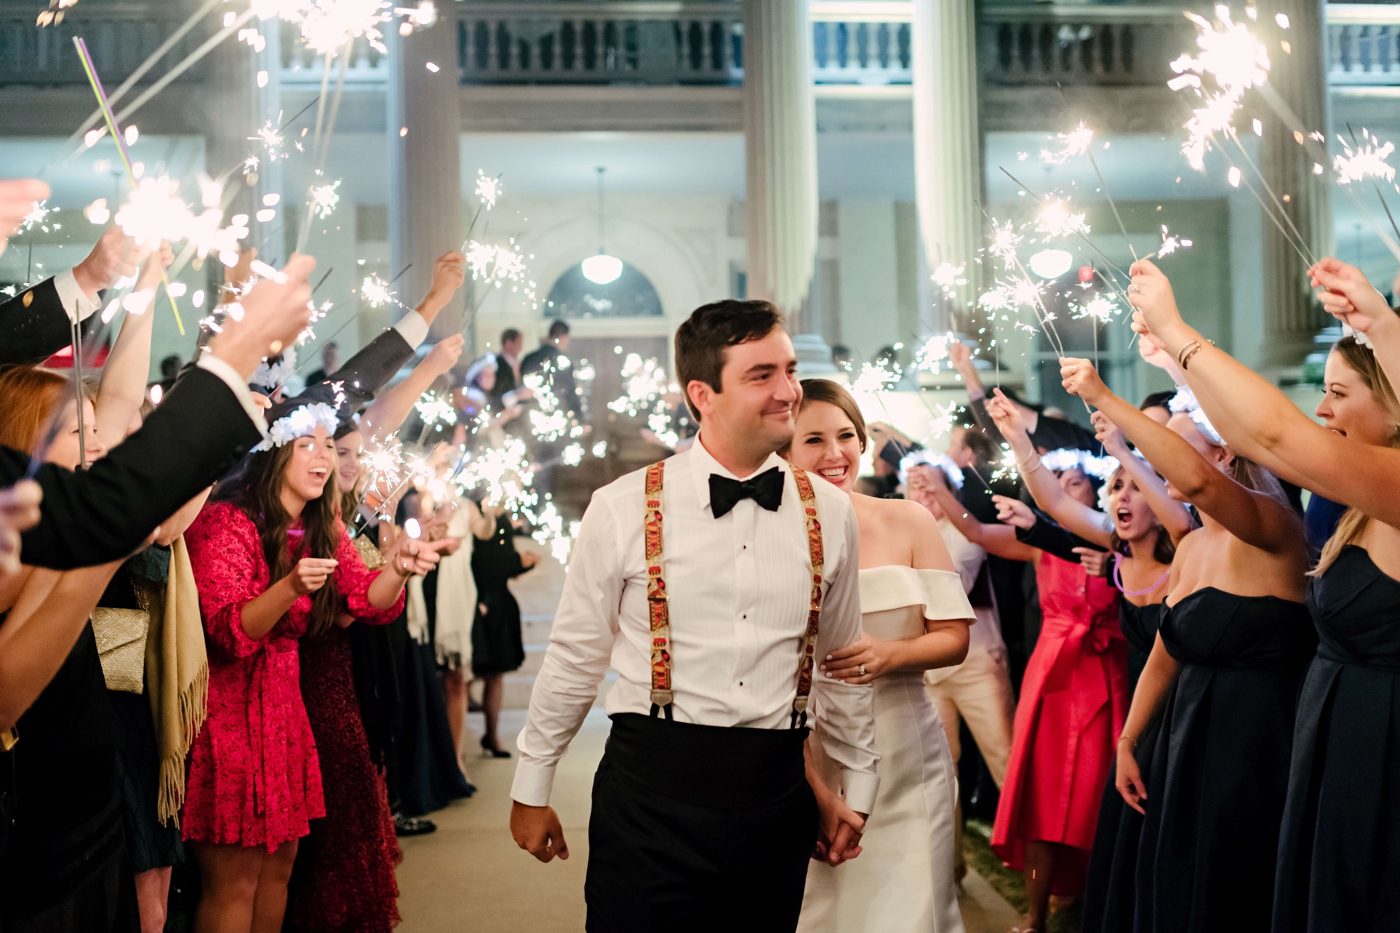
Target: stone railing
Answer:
[[1363, 43], [865, 42], [631, 42], [120, 35], [1081, 44]]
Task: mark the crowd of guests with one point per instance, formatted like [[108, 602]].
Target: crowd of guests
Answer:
[[234, 666], [228, 646]]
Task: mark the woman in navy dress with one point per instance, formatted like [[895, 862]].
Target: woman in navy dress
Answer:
[[1338, 863]]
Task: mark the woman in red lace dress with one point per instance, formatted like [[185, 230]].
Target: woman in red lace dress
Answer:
[[273, 562]]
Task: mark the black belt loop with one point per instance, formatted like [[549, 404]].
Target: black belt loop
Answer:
[[655, 709]]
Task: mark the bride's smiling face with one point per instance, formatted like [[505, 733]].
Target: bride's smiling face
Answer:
[[826, 443]]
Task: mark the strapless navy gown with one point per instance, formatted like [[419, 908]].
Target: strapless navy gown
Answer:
[[1109, 893], [1339, 851], [1219, 773]]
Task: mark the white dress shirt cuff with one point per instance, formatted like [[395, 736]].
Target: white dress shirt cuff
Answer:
[[859, 789], [211, 363], [78, 305], [412, 328], [533, 784]]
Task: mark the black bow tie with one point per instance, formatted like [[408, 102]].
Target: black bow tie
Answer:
[[766, 489]]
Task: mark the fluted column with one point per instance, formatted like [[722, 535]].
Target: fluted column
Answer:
[[1299, 78], [947, 148], [780, 145], [425, 203]]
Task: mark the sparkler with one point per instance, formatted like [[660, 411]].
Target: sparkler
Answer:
[[949, 278], [1235, 61], [1367, 161], [1057, 219], [488, 189], [96, 83], [375, 291], [324, 199], [1072, 144]]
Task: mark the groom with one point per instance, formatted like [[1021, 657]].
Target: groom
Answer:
[[711, 582]]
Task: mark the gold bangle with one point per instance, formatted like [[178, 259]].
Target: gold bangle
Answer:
[[1021, 464], [1130, 738], [1184, 351]]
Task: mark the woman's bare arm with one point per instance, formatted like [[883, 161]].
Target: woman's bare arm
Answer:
[[123, 387]]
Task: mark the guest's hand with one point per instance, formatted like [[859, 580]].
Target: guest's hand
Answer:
[[529, 559], [412, 557], [444, 354], [1079, 377], [274, 313], [449, 272], [19, 511], [537, 830], [114, 257], [1152, 353], [17, 197], [1151, 294], [1348, 296], [310, 574], [862, 660], [153, 265], [1094, 561], [1014, 512], [1107, 434], [237, 276], [1129, 777]]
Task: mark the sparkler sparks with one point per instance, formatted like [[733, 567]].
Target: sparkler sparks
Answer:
[[1364, 161], [1057, 219], [488, 189], [375, 291], [930, 356], [949, 277], [1005, 242], [1170, 243], [38, 217], [1101, 308], [1072, 144], [156, 212], [435, 410], [324, 198], [1235, 61], [271, 140]]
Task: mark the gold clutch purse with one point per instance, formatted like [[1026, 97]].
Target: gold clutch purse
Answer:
[[121, 644]]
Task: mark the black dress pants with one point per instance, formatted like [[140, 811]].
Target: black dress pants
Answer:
[[698, 828]]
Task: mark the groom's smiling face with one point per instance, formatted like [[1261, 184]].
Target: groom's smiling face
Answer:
[[760, 391]]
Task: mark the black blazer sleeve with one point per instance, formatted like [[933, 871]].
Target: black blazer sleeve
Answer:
[[194, 437], [368, 371], [33, 331], [1050, 536]]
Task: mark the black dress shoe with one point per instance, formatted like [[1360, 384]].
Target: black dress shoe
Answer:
[[493, 750], [412, 826]]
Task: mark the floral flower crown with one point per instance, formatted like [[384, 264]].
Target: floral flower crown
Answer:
[[1069, 458], [300, 422], [941, 461], [1185, 401]]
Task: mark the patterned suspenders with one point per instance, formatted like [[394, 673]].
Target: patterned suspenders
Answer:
[[658, 605]]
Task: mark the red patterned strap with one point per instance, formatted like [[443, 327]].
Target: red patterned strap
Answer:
[[807, 662], [659, 607], [658, 604]]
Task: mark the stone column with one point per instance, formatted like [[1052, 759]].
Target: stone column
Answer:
[[1296, 92], [780, 145], [947, 144], [425, 171]]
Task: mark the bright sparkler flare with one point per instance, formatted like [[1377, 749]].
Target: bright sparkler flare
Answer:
[[1073, 143], [375, 291], [37, 217], [271, 140], [1235, 61], [155, 212], [1057, 219], [1005, 241], [929, 357], [1365, 161], [949, 277], [1171, 244], [488, 189], [324, 198], [1101, 308], [434, 409]]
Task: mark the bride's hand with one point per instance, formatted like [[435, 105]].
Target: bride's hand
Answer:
[[833, 816], [875, 656]]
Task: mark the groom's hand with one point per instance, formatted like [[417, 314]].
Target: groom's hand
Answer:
[[846, 844], [537, 831]]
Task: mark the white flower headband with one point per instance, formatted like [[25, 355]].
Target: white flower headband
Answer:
[[1068, 458], [274, 374], [941, 461], [1185, 401], [300, 422]]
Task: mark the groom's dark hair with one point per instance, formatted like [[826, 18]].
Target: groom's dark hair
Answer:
[[713, 328]]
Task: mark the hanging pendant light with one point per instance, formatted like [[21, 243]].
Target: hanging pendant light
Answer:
[[602, 268]]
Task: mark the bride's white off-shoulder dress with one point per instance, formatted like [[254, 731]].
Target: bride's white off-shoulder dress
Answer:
[[903, 880]]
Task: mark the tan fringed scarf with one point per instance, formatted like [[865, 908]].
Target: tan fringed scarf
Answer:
[[177, 676]]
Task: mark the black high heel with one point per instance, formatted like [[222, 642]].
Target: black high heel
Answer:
[[493, 750]]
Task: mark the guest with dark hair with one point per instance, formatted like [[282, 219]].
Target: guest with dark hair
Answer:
[[1046, 432], [552, 361], [330, 362]]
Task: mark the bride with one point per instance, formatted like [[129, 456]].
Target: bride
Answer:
[[916, 617]]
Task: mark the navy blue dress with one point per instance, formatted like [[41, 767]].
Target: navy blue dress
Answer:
[[1219, 773], [1339, 850], [1109, 895]]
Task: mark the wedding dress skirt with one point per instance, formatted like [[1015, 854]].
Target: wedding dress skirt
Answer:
[[903, 878]]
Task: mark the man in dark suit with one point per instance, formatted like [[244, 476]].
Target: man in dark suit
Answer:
[[508, 364], [207, 421], [559, 376], [38, 320], [330, 362]]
